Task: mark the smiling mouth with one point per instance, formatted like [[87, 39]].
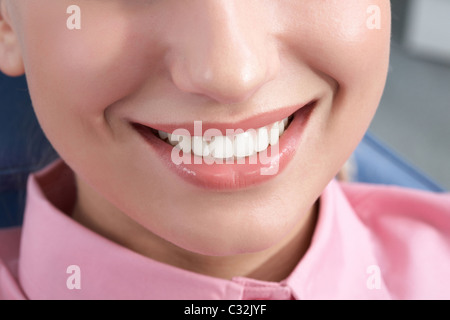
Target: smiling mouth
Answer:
[[219, 156], [236, 144]]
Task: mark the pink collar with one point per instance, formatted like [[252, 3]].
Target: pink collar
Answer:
[[334, 266]]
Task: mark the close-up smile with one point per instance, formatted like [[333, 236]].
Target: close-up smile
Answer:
[[230, 156]]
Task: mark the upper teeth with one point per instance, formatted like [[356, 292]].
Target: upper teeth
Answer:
[[223, 147]]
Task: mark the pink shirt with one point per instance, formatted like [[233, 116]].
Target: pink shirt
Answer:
[[371, 242]]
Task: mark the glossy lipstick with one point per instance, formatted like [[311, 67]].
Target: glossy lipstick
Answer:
[[228, 174]]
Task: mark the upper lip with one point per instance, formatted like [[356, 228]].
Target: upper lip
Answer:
[[253, 122]]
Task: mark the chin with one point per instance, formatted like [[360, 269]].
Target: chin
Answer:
[[246, 238]]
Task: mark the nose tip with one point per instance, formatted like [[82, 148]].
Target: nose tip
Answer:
[[225, 55], [223, 78]]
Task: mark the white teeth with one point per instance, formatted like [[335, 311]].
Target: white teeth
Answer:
[[244, 144], [163, 135], [262, 139], [274, 133], [181, 142], [224, 147], [200, 147], [221, 147], [173, 138], [185, 144], [281, 127]]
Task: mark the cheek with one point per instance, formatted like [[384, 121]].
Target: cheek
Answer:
[[341, 42], [334, 39], [77, 74], [337, 40], [358, 58]]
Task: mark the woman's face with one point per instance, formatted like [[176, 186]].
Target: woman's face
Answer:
[[166, 64]]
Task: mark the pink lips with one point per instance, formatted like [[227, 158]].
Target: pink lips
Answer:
[[237, 175]]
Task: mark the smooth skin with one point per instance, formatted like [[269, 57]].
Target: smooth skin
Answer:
[[213, 60]]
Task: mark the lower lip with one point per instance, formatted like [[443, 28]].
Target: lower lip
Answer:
[[234, 176]]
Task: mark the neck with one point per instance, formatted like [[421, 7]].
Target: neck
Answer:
[[272, 264]]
